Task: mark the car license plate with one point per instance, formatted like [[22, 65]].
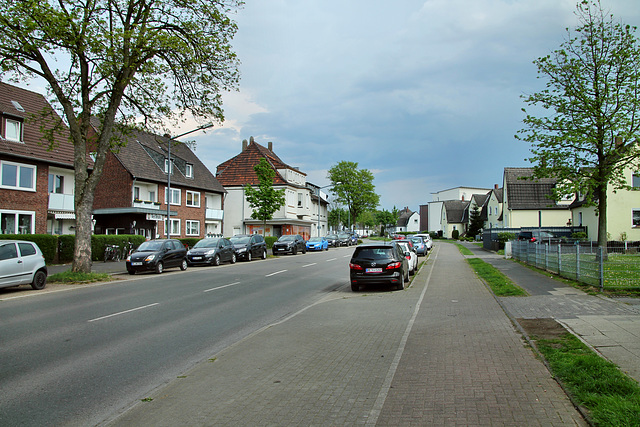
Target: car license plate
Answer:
[[197, 258], [136, 263], [374, 270]]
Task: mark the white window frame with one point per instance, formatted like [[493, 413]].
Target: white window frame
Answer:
[[173, 193], [189, 170], [635, 180], [13, 124], [166, 167], [173, 230], [16, 229], [194, 195], [189, 224], [19, 167], [635, 223]]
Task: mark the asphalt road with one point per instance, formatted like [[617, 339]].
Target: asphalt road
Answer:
[[80, 357]]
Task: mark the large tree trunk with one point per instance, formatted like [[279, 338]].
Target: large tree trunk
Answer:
[[84, 227], [602, 220]]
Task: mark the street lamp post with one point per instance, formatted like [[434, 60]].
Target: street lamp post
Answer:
[[320, 188], [168, 199]]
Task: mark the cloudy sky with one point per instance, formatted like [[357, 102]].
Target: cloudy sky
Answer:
[[423, 93]]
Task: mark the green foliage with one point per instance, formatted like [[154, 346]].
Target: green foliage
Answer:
[[505, 237], [99, 241], [264, 200], [338, 217], [612, 398], [70, 277], [500, 284], [455, 234], [590, 133], [476, 224], [66, 244], [579, 235], [189, 241], [47, 243], [270, 240], [353, 188]]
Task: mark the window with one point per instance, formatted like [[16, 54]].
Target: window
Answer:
[[175, 227], [166, 166], [175, 196], [636, 217], [13, 130], [635, 181], [193, 199], [189, 170], [193, 228], [136, 193], [18, 176], [152, 196], [56, 184], [8, 251], [17, 222], [299, 200]]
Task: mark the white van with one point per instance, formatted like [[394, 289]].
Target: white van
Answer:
[[22, 263]]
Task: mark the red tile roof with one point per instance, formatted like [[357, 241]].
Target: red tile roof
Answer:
[[239, 169]]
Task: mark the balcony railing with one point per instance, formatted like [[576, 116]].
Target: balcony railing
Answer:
[[61, 202], [215, 214], [146, 204]]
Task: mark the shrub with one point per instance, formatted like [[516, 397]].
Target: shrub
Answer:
[[270, 240], [47, 243], [99, 241], [188, 242], [66, 245], [505, 237], [580, 235], [455, 234]]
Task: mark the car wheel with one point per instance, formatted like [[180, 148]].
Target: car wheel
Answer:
[[355, 287], [39, 280], [294, 251], [264, 254], [159, 267], [249, 256], [216, 260], [304, 250], [131, 272], [183, 265], [233, 259], [400, 286], [406, 277]]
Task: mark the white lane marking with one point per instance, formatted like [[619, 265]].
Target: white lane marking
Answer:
[[309, 265], [332, 259], [123, 312], [277, 272], [223, 286]]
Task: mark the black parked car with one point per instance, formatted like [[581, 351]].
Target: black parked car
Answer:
[[249, 246], [212, 251], [156, 255], [378, 263], [344, 239], [332, 239], [289, 243]]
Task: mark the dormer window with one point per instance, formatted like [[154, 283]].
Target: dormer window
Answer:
[[189, 171], [13, 129], [166, 166]]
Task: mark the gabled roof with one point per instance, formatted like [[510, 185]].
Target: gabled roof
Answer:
[[239, 169], [524, 192], [35, 112], [403, 217], [144, 155], [499, 194], [457, 210]]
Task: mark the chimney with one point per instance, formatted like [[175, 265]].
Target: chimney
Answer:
[[496, 187], [244, 144], [270, 144]]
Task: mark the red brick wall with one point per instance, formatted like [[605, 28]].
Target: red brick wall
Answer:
[[29, 201], [114, 190], [184, 213]]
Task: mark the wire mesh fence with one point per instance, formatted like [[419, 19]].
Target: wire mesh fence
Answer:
[[618, 267]]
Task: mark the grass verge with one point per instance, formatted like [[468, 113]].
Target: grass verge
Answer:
[[500, 284], [70, 278], [463, 250], [612, 398]]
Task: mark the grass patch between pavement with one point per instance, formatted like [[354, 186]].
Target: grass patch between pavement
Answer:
[[69, 277], [612, 398], [463, 250], [500, 284]]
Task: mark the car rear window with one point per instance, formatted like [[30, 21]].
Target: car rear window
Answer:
[[374, 253], [26, 249]]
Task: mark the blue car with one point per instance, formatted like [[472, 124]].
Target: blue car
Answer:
[[420, 245], [317, 244]]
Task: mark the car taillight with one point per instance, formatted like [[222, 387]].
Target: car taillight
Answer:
[[533, 239], [355, 267], [394, 265]]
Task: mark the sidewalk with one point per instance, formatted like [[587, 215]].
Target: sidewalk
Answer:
[[610, 326], [441, 352]]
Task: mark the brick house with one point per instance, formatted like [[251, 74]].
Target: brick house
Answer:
[[37, 183], [305, 209], [131, 196]]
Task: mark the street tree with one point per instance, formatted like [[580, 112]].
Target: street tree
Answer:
[[130, 63], [337, 217], [353, 188], [589, 134], [387, 219], [264, 200], [476, 224]]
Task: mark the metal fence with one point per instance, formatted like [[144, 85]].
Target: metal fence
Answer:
[[585, 262]]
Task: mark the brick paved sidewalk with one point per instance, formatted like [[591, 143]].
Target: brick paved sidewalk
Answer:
[[441, 352]]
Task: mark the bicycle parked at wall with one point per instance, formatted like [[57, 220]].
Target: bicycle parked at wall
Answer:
[[111, 253], [126, 250]]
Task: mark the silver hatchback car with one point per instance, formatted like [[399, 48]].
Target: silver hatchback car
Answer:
[[22, 263]]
